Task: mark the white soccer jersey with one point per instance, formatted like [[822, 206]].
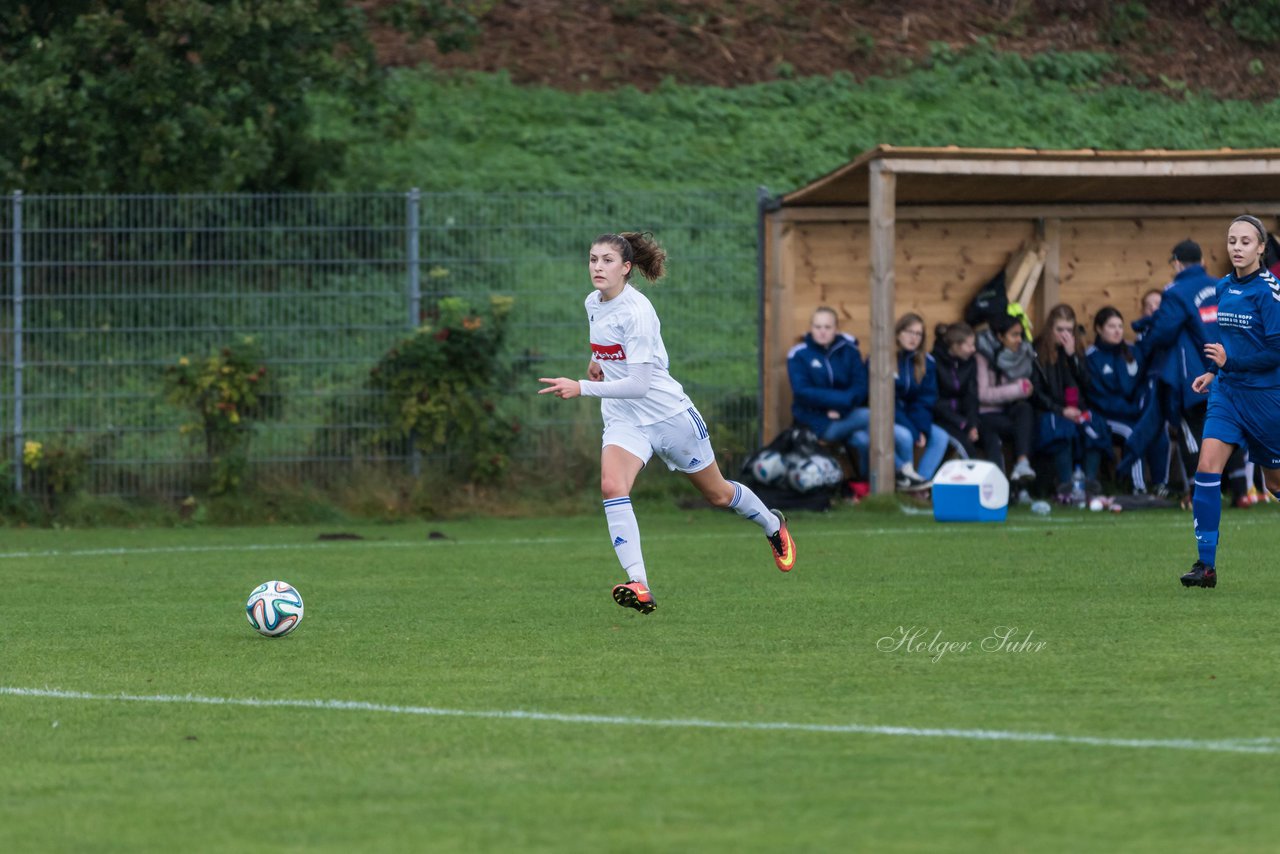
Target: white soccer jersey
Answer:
[[626, 330]]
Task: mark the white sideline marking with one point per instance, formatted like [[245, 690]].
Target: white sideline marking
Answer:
[[1229, 745], [1077, 525], [246, 547]]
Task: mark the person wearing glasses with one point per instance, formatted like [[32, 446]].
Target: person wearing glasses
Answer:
[[915, 393]]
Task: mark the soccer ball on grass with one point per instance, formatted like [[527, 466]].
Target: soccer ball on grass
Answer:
[[274, 609]]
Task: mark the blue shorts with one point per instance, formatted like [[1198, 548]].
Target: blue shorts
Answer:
[[1246, 416]]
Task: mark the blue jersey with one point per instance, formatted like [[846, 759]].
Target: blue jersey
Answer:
[[1249, 323]]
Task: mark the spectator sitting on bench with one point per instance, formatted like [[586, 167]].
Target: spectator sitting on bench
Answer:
[[1005, 364]]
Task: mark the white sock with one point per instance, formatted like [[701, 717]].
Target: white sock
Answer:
[[624, 531], [749, 506]]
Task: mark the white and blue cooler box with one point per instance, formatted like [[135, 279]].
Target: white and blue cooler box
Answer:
[[970, 491]]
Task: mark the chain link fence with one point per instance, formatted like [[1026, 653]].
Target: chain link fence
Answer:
[[101, 293]]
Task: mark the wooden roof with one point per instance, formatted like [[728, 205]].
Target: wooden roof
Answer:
[[974, 176]]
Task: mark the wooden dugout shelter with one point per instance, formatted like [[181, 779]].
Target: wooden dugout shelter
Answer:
[[923, 229]]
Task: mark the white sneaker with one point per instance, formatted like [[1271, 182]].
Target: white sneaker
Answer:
[[909, 481], [1022, 472]]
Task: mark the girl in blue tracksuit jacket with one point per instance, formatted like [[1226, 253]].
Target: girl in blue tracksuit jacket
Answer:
[[829, 388], [915, 393], [1243, 383], [1121, 392]]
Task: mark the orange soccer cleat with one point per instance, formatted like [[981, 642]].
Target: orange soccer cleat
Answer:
[[633, 594], [784, 548]]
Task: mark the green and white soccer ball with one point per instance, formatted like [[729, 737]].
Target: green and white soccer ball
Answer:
[[274, 609]]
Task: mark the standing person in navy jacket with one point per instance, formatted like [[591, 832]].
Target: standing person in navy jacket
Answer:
[[1243, 382], [829, 388], [1173, 343], [1121, 392], [956, 409], [915, 391]]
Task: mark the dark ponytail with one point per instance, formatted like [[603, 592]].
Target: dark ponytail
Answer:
[[641, 249]]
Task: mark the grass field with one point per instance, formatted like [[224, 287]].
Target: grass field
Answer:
[[483, 693]]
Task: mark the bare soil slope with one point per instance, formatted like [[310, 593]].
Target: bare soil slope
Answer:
[[1171, 45]]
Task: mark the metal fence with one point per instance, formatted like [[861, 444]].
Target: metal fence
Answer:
[[101, 293]]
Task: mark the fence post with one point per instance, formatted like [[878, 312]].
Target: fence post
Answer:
[[413, 257], [414, 260], [17, 341]]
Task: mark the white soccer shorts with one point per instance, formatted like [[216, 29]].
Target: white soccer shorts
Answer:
[[681, 441]]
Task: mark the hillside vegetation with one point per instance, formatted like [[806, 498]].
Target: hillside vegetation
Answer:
[[480, 131], [117, 96]]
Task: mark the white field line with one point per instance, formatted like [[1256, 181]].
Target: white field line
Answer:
[[1229, 745], [537, 541], [241, 547]]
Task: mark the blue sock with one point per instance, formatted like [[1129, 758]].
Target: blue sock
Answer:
[[1206, 507]]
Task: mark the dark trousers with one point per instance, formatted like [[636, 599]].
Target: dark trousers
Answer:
[[1064, 461], [1014, 424], [961, 437]]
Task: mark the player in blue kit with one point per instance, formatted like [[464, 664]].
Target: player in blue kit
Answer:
[[1243, 384], [646, 411]]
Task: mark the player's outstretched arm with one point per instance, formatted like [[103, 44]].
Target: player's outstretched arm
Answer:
[[562, 387]]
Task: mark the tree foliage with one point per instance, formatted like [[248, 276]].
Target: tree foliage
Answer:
[[182, 95]]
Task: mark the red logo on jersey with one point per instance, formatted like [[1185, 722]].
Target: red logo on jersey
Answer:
[[608, 352], [1208, 314]]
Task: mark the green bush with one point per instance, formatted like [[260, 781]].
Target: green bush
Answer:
[[226, 393], [1125, 22], [444, 387], [1254, 20], [59, 466], [55, 473]]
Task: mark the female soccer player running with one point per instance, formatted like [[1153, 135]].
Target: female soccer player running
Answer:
[[1244, 401], [646, 411]]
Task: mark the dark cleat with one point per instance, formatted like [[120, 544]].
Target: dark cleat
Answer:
[[1201, 575]]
